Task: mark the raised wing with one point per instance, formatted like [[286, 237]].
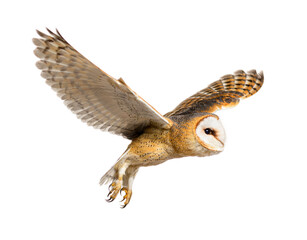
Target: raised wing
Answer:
[[95, 97], [223, 93]]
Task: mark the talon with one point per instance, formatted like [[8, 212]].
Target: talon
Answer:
[[123, 206], [126, 197], [113, 191], [110, 199]]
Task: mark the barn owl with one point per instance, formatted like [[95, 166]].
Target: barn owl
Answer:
[[109, 104]]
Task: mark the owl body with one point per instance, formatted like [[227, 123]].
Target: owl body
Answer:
[[109, 104], [152, 147], [155, 146]]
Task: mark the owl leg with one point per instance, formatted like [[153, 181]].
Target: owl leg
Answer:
[[117, 183], [127, 184]]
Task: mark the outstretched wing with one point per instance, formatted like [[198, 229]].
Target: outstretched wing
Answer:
[[222, 93], [95, 97]]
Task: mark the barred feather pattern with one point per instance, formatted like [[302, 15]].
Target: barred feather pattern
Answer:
[[95, 97], [223, 93]]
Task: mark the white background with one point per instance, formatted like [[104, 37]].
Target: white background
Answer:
[[166, 51]]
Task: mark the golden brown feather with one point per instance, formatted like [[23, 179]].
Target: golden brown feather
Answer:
[[223, 93]]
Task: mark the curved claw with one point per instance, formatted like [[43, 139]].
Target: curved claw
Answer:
[[123, 206], [113, 191], [126, 197], [110, 199]]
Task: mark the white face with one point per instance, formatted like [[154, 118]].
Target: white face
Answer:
[[211, 134]]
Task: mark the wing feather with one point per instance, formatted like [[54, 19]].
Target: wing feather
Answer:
[[94, 96], [223, 93]]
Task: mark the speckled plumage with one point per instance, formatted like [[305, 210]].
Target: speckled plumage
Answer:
[[191, 129]]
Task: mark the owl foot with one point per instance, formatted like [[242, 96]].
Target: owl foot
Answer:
[[118, 183], [126, 197], [113, 191]]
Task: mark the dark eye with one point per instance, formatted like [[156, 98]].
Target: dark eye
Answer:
[[208, 131]]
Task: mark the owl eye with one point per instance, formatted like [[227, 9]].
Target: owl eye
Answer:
[[208, 131]]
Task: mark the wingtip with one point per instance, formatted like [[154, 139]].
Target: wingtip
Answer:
[[261, 75], [58, 32], [258, 82], [260, 78], [49, 30], [41, 34], [34, 41]]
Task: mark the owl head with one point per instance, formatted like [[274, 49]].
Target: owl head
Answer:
[[199, 135], [210, 133]]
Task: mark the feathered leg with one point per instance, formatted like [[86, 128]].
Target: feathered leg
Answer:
[[116, 175], [127, 184]]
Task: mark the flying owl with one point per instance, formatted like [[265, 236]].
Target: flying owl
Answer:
[[106, 103]]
